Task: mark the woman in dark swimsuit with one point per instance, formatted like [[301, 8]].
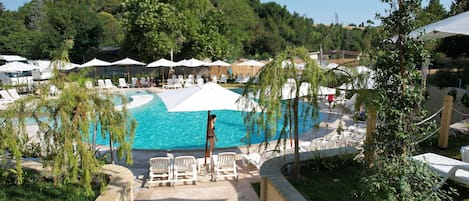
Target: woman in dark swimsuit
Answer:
[[212, 138]]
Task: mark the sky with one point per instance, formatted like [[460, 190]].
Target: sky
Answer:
[[321, 11]]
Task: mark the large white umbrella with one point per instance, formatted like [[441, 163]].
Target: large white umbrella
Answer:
[[252, 63], [161, 63], [16, 66], [128, 62], [207, 97], [455, 25], [95, 63], [219, 63], [193, 63], [9, 58]]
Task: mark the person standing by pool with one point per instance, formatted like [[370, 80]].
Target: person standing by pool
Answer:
[[330, 99], [212, 138]]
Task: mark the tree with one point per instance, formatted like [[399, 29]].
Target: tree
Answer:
[[399, 96], [152, 29], [270, 83], [63, 141]]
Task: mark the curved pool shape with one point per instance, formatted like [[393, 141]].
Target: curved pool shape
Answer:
[[163, 130]]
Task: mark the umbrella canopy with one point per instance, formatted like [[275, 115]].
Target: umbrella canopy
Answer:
[[455, 25], [161, 62], [253, 63], [128, 62], [17, 67], [9, 58], [325, 91], [210, 96], [193, 63], [219, 63], [95, 62]]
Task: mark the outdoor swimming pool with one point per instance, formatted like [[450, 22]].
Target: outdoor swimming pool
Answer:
[[160, 129]]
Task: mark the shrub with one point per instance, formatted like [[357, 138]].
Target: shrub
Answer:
[[453, 93], [465, 100]]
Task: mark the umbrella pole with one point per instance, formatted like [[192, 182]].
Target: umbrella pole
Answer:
[[206, 138]]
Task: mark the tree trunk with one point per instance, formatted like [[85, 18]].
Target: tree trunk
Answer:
[[297, 153]]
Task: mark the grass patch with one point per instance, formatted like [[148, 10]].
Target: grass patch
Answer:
[[321, 178], [36, 187]]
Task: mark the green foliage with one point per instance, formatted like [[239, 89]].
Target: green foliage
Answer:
[[37, 187], [64, 127], [399, 99], [271, 80], [453, 93], [465, 99]]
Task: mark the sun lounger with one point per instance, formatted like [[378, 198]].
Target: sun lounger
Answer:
[[108, 83], [225, 165], [185, 169], [160, 170], [6, 97], [14, 94], [122, 83], [448, 168], [88, 84], [101, 84], [223, 79]]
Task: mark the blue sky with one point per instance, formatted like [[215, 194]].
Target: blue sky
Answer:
[[321, 11], [348, 11]]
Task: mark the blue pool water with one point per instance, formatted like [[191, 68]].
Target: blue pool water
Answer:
[[160, 129]]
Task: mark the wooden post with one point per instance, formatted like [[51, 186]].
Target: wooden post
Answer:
[[370, 128], [445, 121]]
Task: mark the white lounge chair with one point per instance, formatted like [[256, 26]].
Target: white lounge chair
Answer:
[[108, 83], [101, 84], [122, 83], [350, 103], [6, 97], [214, 78], [53, 90], [134, 82], [143, 82], [223, 79], [185, 169], [253, 158], [160, 170], [448, 168], [88, 84], [225, 165], [14, 94]]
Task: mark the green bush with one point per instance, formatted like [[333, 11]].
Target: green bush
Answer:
[[465, 99], [453, 93]]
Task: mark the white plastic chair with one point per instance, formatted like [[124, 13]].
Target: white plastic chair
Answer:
[[448, 168], [185, 169], [225, 165], [53, 91], [160, 170], [88, 84], [6, 97], [14, 94], [223, 79], [134, 81], [122, 83], [214, 78], [101, 84], [108, 83]]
